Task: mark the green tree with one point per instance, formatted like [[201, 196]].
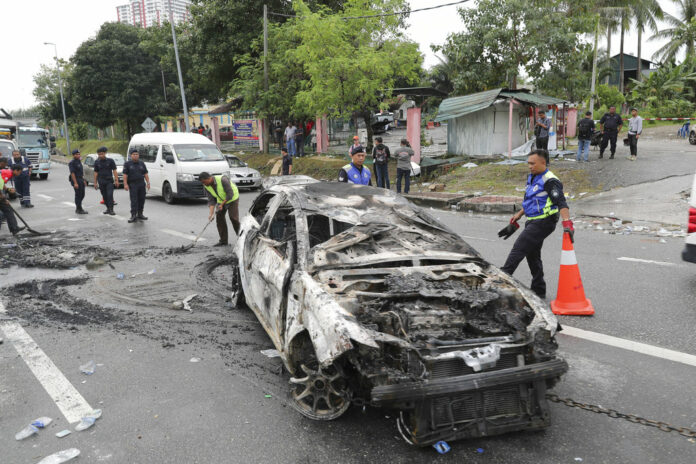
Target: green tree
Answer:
[[535, 34], [609, 96], [114, 79], [47, 92], [351, 62], [666, 92], [645, 14], [682, 34]]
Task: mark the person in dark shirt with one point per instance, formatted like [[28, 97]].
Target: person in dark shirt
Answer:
[[610, 125], [543, 202], [586, 127], [287, 162], [23, 180], [135, 180], [380, 159], [105, 178], [77, 180]]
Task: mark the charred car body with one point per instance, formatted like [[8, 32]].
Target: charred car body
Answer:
[[369, 300]]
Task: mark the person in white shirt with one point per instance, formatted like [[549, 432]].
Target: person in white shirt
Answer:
[[635, 128], [290, 139]]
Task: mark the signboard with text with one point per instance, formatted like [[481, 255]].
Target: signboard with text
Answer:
[[246, 133]]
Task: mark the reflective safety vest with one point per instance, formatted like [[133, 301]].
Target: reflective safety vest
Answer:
[[537, 204], [355, 176], [220, 195]]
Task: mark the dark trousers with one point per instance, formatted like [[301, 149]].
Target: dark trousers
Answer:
[[299, 146], [21, 184], [542, 142], [528, 245], [382, 173], [107, 190], [633, 143], [9, 216], [406, 174], [79, 193], [233, 210], [137, 196], [608, 136]]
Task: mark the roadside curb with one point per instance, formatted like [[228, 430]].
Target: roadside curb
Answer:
[[479, 204]]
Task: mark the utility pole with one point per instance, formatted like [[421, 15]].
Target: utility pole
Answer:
[[62, 100], [266, 129], [594, 68], [164, 85], [178, 67]]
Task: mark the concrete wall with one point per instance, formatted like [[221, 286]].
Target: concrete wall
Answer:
[[486, 132]]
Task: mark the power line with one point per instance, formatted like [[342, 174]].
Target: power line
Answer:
[[395, 13]]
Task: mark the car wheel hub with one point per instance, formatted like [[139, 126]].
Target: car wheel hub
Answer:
[[321, 394]]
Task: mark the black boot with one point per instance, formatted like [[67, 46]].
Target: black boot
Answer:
[[81, 211], [133, 218], [110, 212], [140, 216]]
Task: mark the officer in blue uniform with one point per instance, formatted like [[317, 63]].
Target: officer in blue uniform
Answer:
[[105, 178], [135, 180], [543, 202], [354, 172], [77, 180], [22, 181]]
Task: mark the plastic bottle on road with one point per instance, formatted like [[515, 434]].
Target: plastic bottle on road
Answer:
[[88, 368], [27, 431], [89, 420], [41, 422], [61, 456]]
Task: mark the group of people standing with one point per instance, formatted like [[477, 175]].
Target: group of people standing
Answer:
[[610, 125], [295, 137]]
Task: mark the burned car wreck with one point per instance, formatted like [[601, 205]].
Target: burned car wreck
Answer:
[[369, 300]]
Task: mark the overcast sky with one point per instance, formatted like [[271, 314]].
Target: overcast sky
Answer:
[[27, 25]]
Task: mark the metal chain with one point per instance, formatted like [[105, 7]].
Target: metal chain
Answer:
[[664, 426]]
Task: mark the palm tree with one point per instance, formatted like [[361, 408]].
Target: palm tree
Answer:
[[681, 35], [645, 13]]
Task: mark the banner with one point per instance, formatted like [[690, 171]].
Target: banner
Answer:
[[245, 133]]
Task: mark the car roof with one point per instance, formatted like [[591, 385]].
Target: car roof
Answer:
[[171, 137]]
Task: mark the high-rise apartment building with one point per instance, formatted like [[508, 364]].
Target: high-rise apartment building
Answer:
[[145, 13]]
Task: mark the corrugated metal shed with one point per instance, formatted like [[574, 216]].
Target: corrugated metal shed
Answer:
[[456, 107]]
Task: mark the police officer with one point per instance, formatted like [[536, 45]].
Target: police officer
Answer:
[[354, 172], [135, 180], [21, 181], [105, 178], [610, 125], [77, 180], [543, 202], [223, 196], [5, 207]]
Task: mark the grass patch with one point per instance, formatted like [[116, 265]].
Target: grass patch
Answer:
[[324, 167], [90, 146], [495, 179]]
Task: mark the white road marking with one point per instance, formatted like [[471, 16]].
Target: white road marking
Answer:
[[181, 234], [45, 197], [74, 219], [478, 238], [67, 203], [64, 394], [648, 261], [630, 345]]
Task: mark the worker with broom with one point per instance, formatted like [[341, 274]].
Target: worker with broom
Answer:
[[5, 207], [223, 197]]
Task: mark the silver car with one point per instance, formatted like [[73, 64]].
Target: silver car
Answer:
[[88, 166], [371, 301], [242, 175]]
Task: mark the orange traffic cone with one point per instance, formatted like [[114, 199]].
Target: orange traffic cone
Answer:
[[570, 299]]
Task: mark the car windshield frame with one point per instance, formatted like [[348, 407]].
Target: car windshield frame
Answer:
[[30, 139], [198, 152]]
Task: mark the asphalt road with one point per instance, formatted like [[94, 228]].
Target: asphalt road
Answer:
[[231, 404]]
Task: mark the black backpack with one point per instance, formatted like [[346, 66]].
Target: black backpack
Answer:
[[380, 154], [585, 129]]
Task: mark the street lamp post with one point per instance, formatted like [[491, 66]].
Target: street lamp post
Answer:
[[62, 101], [178, 67]]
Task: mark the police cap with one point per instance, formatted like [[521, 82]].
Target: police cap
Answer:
[[75, 151], [101, 150]]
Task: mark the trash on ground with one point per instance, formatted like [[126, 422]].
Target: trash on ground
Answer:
[[152, 271], [268, 396], [270, 353], [479, 450], [61, 456], [470, 165], [178, 305], [63, 433], [662, 240], [582, 193], [88, 369], [510, 162], [120, 276], [41, 422], [578, 459], [95, 263], [195, 360], [27, 431], [186, 301], [442, 447], [663, 232], [88, 420], [8, 245]]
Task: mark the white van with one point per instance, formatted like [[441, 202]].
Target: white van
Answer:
[[689, 253], [174, 160]]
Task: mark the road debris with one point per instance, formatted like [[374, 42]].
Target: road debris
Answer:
[[41, 422], [270, 353], [61, 456], [63, 433], [26, 432], [88, 368], [195, 360], [442, 447], [88, 420], [187, 300]]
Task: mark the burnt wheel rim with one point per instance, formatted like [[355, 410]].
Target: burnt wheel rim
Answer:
[[692, 138], [321, 394]]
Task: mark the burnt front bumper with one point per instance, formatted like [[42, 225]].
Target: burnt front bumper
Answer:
[[472, 405]]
